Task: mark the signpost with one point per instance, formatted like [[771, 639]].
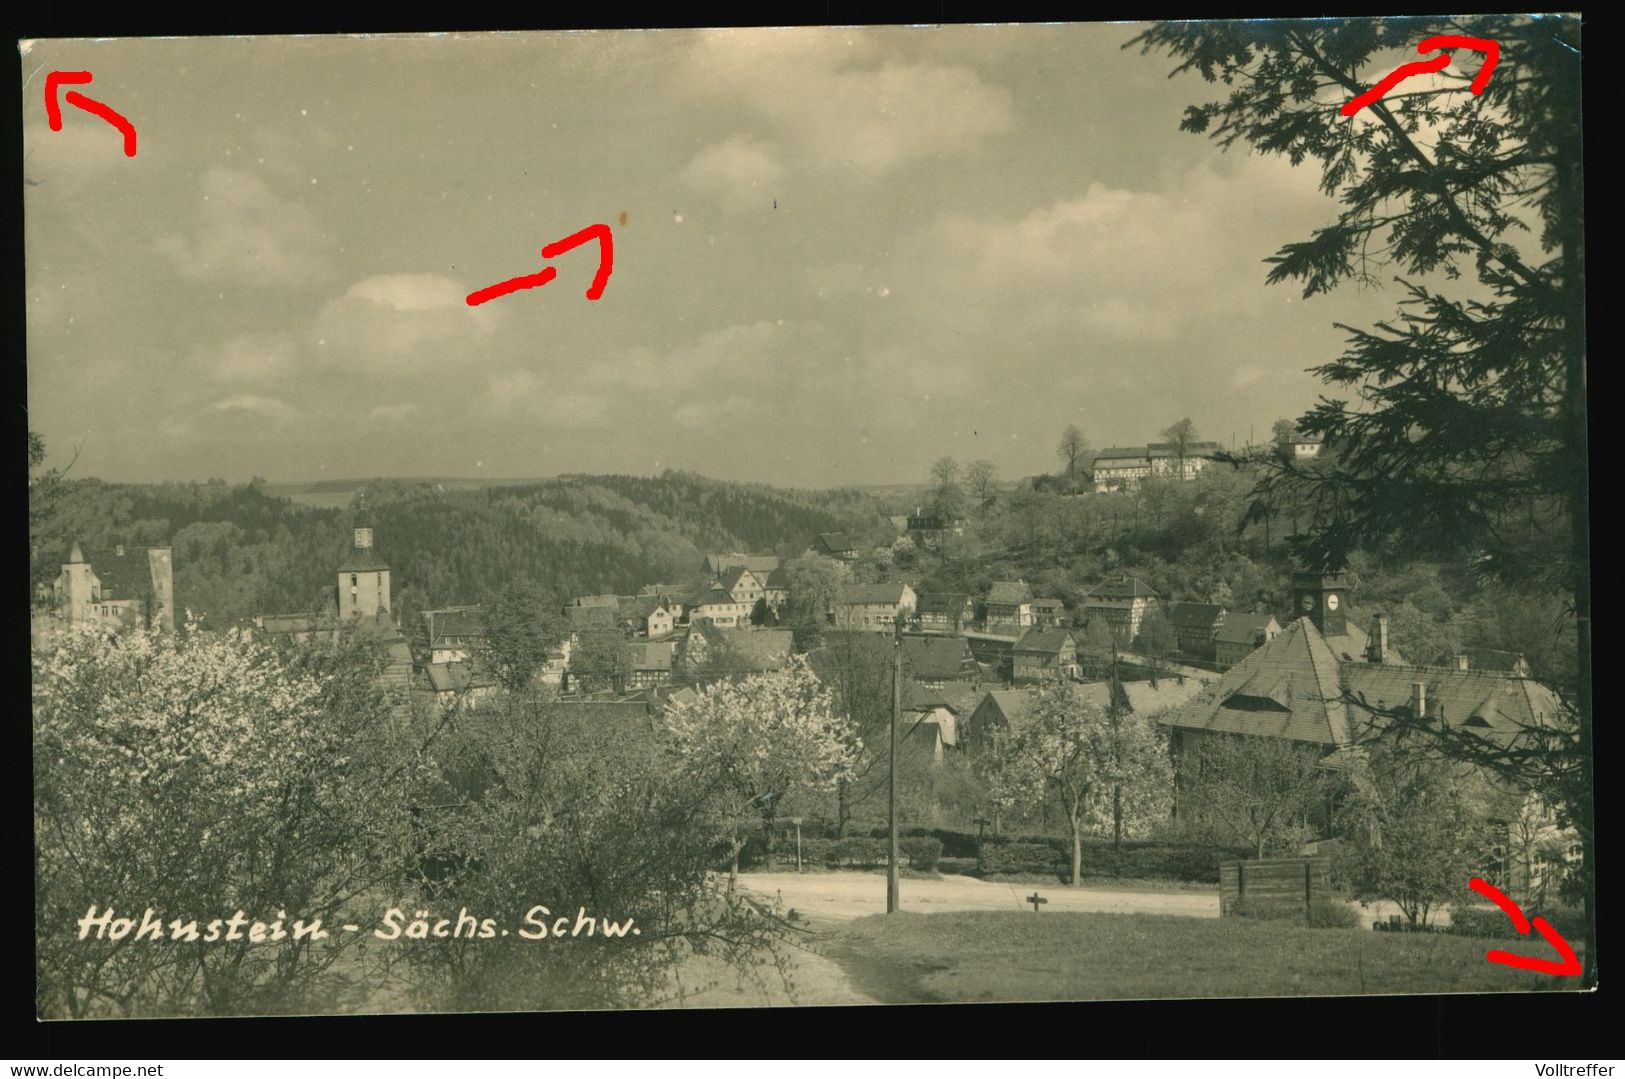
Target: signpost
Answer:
[[1035, 899], [797, 822]]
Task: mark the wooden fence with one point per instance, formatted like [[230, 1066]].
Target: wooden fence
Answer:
[[1283, 881]]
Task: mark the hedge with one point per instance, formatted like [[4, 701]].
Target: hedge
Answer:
[[1489, 922], [1321, 913], [923, 851]]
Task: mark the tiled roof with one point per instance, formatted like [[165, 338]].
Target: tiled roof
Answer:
[[1047, 641], [1048, 605], [946, 603], [1010, 592], [1243, 628], [778, 579], [871, 593], [582, 617], [126, 576], [937, 657], [834, 542], [1195, 616], [1148, 700], [1287, 688], [1124, 587], [652, 655], [1504, 703], [452, 677], [459, 622], [1120, 454], [706, 597], [732, 576]]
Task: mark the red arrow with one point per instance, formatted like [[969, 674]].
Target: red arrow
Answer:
[[53, 111], [1490, 49], [1570, 966]]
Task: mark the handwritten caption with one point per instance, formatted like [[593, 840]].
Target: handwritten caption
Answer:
[[538, 923]]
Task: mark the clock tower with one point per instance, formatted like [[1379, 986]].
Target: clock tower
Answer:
[[363, 580], [1323, 599]]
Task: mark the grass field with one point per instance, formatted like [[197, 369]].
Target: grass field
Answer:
[[1005, 956]]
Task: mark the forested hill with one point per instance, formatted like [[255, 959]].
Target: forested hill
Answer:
[[240, 550]]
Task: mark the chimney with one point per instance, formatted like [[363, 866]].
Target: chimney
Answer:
[[1419, 700], [1461, 662], [1378, 648]]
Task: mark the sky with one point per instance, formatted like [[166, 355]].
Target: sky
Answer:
[[839, 255]]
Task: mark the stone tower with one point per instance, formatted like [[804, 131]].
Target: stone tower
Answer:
[[363, 580]]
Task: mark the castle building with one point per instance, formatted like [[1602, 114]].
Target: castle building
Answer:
[[128, 586]]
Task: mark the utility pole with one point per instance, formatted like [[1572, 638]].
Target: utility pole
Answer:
[[891, 797]]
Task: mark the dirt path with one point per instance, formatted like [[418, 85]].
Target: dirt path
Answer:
[[826, 899]]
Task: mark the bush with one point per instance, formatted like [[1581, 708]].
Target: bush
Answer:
[[1332, 914], [1490, 922], [860, 850], [923, 851], [1019, 858], [1268, 910]]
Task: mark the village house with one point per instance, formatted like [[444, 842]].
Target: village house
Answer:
[[743, 585], [651, 616], [944, 612], [1122, 602], [760, 564], [1001, 713], [930, 720], [1240, 634], [936, 660], [1166, 460], [1044, 653], [776, 590], [1120, 468], [126, 587], [650, 663], [1301, 687], [1196, 627], [1009, 608], [834, 545], [1049, 613], [452, 634], [716, 606], [708, 650], [873, 606], [446, 685], [927, 529]]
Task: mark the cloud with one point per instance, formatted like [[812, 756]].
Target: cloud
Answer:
[[864, 121], [738, 172], [253, 357], [397, 413], [256, 405], [524, 395], [403, 324], [244, 230]]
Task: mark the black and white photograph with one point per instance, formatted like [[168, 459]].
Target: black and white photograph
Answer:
[[776, 517]]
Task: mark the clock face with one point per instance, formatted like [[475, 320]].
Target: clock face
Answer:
[[1309, 603], [1331, 602]]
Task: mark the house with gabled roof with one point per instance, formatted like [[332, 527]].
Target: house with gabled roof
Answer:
[[835, 545], [937, 660], [873, 606], [744, 585], [1240, 634], [713, 604], [452, 634], [1196, 627], [717, 564], [1049, 613], [1044, 653], [929, 721], [944, 612], [1121, 602], [1009, 607]]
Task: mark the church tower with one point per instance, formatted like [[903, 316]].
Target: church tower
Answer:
[[1323, 598], [363, 580]]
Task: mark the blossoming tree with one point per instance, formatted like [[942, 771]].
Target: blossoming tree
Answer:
[[757, 739]]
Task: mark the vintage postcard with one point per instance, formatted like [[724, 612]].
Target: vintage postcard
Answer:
[[769, 517]]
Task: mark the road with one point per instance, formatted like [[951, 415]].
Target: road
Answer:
[[831, 898]]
